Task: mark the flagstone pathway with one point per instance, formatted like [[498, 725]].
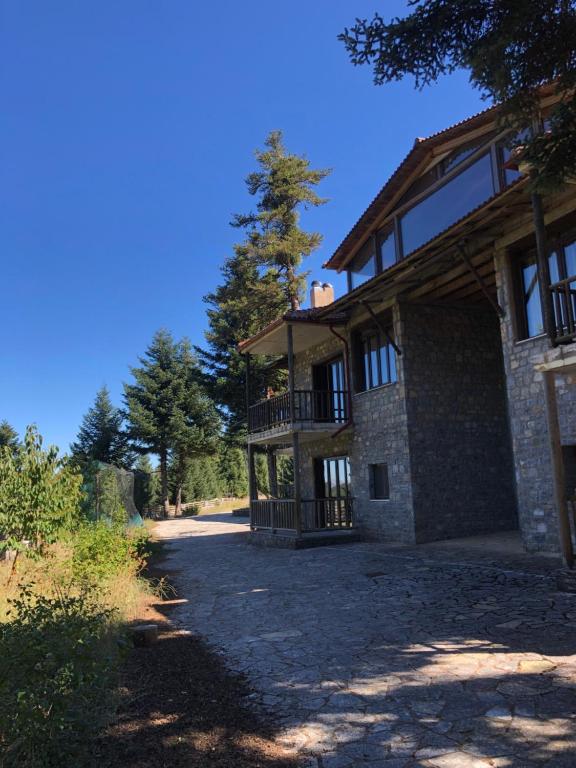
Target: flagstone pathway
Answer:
[[375, 656]]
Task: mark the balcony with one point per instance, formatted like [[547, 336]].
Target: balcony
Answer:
[[564, 304], [301, 410], [316, 515]]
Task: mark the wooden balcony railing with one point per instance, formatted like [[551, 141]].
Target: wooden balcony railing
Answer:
[[316, 514], [564, 301], [309, 405]]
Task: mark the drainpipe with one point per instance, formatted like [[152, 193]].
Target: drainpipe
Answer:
[[344, 341]]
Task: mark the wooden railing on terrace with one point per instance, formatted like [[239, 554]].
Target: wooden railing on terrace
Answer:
[[564, 301], [317, 514], [309, 405]]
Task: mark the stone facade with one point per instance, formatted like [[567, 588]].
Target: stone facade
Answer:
[[533, 467], [460, 451]]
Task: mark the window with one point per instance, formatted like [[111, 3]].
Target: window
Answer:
[[378, 360], [364, 265], [387, 247], [562, 265], [379, 483], [447, 204]]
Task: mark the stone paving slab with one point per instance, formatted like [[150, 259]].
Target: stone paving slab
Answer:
[[374, 656]]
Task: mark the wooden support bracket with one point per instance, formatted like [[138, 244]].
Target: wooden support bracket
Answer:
[[479, 279]]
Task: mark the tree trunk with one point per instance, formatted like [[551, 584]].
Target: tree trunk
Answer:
[[178, 509], [164, 483], [292, 289]]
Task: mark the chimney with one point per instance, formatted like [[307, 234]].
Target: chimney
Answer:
[[321, 294]]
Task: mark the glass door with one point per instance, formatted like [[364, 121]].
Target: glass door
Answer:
[[333, 492], [329, 391]]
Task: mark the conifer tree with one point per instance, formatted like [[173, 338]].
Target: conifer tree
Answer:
[[146, 489], [509, 47], [167, 411], [8, 436], [242, 305], [283, 185], [101, 436]]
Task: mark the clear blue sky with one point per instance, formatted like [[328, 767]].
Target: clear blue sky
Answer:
[[126, 132]]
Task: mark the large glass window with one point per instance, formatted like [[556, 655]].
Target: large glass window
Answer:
[[378, 361], [387, 245], [447, 204], [562, 266], [364, 265]]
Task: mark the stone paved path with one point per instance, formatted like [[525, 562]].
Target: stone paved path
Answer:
[[386, 657]]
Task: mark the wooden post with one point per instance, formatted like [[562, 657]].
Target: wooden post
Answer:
[[290, 339], [252, 490], [297, 491], [558, 476], [543, 267], [247, 371]]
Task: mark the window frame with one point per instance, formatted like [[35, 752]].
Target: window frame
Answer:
[[364, 372], [556, 244], [372, 481]]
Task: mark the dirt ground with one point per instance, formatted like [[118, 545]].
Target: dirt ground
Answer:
[[180, 707]]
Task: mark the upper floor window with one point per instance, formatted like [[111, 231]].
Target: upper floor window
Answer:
[[562, 266], [447, 204], [364, 265], [378, 360]]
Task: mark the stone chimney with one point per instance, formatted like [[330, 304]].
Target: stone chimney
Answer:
[[321, 294]]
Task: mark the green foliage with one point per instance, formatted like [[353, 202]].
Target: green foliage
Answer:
[[40, 495], [8, 436], [101, 551], [283, 184], [510, 48], [57, 671], [146, 484], [242, 305], [233, 470], [203, 480], [101, 436], [168, 412]]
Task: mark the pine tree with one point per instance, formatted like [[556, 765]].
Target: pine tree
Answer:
[[101, 436], [283, 185], [146, 488], [510, 48], [233, 470], [167, 411], [8, 436], [241, 306]]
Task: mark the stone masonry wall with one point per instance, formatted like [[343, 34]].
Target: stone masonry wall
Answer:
[[528, 425], [379, 435], [460, 449]]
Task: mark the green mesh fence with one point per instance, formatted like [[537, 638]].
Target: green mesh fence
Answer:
[[109, 494]]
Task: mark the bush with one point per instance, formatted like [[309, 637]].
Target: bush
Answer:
[[102, 551], [58, 660]]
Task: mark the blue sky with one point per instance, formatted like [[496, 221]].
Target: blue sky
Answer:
[[126, 132]]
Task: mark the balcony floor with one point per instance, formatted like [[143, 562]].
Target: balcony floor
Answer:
[[308, 430]]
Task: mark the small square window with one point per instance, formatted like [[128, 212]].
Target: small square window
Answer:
[[379, 484]]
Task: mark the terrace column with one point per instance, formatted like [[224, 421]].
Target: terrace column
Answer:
[[290, 349], [297, 491], [252, 487], [558, 474]]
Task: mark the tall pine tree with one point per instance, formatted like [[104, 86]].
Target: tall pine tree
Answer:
[[241, 306], [167, 411], [283, 185], [101, 436]]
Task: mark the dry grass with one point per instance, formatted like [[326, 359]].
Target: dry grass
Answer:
[[125, 592], [225, 505]]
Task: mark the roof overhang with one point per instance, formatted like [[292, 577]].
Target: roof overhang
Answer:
[[306, 333]]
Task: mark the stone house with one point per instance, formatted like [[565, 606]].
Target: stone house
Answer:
[[436, 398]]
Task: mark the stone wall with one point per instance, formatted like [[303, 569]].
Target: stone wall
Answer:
[[460, 451], [378, 435], [528, 425]]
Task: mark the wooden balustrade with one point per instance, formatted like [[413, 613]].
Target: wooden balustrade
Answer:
[[306, 405], [317, 514], [564, 301]]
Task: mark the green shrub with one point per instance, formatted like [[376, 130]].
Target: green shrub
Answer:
[[102, 551], [58, 661]]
